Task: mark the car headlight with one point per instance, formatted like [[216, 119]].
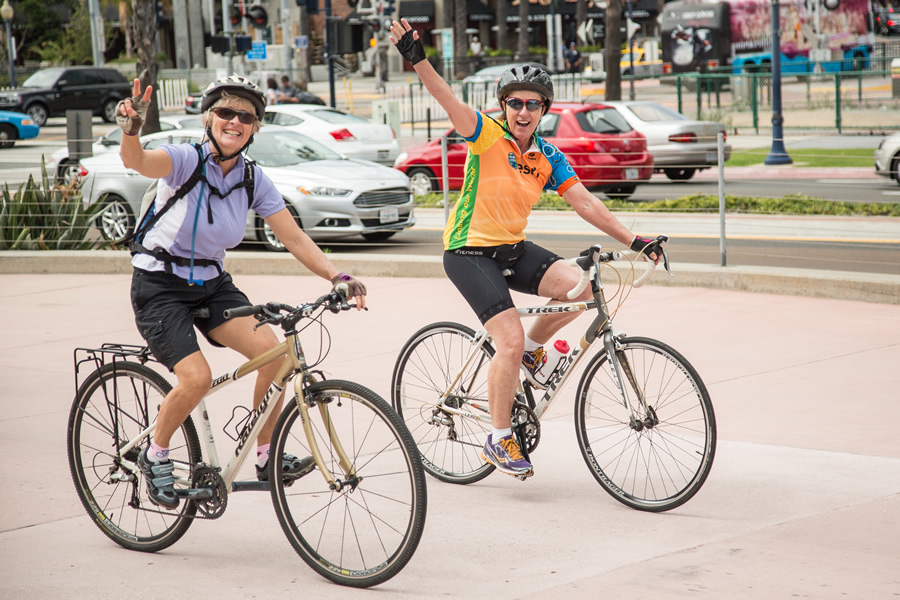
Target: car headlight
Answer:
[[11, 97], [323, 191], [401, 158]]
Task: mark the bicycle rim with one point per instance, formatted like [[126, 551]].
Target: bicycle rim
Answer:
[[657, 467], [112, 406], [360, 535], [450, 444]]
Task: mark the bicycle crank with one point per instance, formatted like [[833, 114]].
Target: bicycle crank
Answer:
[[208, 493], [526, 427]]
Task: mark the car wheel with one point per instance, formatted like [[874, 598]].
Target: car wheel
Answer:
[[116, 222], [422, 181], [67, 171], [267, 237], [378, 236], [895, 168], [620, 192], [679, 174], [109, 111], [38, 114], [8, 136]]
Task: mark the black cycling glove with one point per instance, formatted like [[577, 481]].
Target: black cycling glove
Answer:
[[411, 49], [132, 125], [648, 246]]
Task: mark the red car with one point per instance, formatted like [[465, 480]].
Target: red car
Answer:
[[607, 154]]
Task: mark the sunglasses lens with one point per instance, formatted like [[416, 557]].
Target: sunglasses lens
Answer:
[[531, 105], [227, 114], [514, 103]]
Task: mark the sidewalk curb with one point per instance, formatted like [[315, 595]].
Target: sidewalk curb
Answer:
[[837, 285]]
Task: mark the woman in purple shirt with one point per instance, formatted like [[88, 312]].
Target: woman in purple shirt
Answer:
[[178, 263]]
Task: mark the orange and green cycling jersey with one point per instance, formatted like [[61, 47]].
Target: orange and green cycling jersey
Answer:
[[501, 185]]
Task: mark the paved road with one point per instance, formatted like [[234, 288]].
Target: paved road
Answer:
[[803, 499]]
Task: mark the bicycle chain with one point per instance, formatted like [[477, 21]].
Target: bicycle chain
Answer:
[[208, 508]]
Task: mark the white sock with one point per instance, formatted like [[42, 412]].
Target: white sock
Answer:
[[531, 345], [501, 433]]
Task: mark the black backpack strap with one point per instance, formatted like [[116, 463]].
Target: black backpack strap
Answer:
[[135, 238]]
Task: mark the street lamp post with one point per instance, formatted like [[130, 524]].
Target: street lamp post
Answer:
[[7, 13], [778, 154]]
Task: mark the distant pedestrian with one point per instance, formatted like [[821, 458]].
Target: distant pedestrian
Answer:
[[573, 59], [271, 91], [288, 92]]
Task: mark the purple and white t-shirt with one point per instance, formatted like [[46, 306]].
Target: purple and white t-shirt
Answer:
[[175, 231]]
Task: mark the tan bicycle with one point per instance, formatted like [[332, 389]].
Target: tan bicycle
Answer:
[[356, 519], [643, 417]]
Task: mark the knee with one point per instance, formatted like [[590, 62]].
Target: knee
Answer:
[[195, 382]]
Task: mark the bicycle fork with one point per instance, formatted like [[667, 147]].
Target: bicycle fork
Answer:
[[621, 372]]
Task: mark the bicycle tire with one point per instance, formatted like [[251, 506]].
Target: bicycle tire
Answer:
[[361, 535], [113, 405], [450, 445], [654, 468]]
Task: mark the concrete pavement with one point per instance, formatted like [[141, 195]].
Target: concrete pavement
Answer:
[[803, 499]]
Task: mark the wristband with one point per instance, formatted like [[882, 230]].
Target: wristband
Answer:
[[411, 49]]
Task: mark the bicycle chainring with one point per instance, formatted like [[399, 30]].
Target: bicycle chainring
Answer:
[[526, 425], [206, 477]]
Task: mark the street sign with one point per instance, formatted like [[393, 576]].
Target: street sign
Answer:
[[257, 52], [301, 42]]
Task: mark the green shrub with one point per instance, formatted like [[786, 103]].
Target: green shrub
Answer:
[[46, 217]]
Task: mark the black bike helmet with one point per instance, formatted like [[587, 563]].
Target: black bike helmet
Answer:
[[526, 76], [236, 86]]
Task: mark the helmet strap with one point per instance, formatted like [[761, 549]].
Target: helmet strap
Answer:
[[220, 157]]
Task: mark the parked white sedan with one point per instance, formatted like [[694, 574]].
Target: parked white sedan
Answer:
[[110, 141], [330, 196], [345, 133], [680, 146]]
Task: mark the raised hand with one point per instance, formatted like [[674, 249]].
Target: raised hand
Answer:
[[407, 42], [131, 112]]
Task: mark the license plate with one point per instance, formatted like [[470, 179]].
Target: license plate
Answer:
[[383, 154], [712, 157], [388, 215], [631, 174]]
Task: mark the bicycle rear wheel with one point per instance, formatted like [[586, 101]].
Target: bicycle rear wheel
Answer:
[[660, 459], [450, 444], [113, 405], [365, 532]]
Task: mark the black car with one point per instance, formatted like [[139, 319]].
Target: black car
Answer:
[[887, 20], [50, 92]]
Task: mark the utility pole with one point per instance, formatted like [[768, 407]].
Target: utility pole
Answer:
[[226, 29], [778, 154], [97, 39]]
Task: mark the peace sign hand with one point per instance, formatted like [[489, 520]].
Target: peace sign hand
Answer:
[[132, 112], [408, 42]]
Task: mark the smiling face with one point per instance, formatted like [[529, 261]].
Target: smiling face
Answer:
[[231, 134], [522, 123]]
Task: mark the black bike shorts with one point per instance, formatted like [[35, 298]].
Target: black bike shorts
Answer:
[[478, 274], [164, 306]]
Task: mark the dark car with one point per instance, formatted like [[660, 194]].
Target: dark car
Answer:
[[51, 92], [887, 20], [607, 154]]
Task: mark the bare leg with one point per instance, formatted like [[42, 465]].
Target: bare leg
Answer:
[[194, 379], [556, 283], [503, 374]]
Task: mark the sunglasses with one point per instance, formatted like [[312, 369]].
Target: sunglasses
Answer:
[[517, 104], [227, 114]]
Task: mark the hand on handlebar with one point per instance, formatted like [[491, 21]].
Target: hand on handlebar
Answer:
[[348, 287]]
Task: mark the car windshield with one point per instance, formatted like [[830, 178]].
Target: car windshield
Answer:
[[335, 116], [602, 120], [656, 112], [285, 148], [43, 79]]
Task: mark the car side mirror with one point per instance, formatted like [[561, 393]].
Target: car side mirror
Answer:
[[107, 142], [62, 83]]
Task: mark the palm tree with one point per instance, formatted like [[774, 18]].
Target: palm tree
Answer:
[[459, 35], [612, 44], [524, 11], [145, 33]]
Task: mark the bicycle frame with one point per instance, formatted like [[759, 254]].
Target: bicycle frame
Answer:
[[294, 363], [600, 327]]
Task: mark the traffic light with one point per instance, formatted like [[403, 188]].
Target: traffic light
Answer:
[[258, 16]]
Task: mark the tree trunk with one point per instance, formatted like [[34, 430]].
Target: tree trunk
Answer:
[[612, 46], [125, 21], [145, 32], [522, 47], [502, 37], [460, 44]]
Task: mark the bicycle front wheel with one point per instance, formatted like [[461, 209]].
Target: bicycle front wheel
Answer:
[[450, 443], [113, 405], [659, 457], [364, 531]]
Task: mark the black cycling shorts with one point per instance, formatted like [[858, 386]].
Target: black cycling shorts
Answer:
[[478, 274], [163, 310]]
